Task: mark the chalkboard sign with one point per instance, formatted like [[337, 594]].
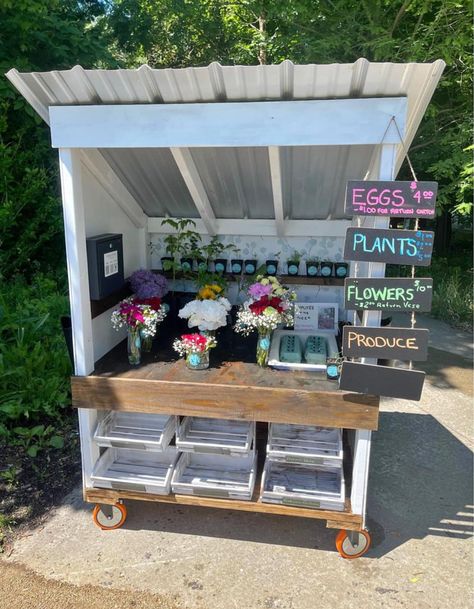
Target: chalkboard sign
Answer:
[[386, 343], [388, 294], [382, 380], [401, 199], [389, 245]]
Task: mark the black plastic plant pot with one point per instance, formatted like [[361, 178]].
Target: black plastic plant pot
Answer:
[[220, 265], [293, 267], [236, 266], [186, 265], [340, 269], [326, 269], [165, 259], [201, 264], [312, 269], [250, 266], [271, 267]]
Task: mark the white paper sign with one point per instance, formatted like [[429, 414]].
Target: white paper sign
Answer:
[[316, 317], [111, 263]]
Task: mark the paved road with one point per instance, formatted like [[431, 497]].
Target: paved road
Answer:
[[421, 518]]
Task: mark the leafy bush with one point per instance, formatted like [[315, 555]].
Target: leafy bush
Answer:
[[34, 363], [452, 292]]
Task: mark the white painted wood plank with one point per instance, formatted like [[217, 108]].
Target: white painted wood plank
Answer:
[[192, 179], [295, 123], [362, 442], [277, 189], [76, 255], [264, 228], [108, 179]]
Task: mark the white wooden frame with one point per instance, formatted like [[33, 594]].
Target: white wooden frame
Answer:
[[334, 122], [269, 124]]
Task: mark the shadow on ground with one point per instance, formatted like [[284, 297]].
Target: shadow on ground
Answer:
[[421, 484]]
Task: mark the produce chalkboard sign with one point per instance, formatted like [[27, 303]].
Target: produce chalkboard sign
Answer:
[[389, 245], [382, 380], [387, 343], [401, 199], [388, 294]]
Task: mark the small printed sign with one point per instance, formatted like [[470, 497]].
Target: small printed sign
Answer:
[[316, 317], [382, 380], [400, 199], [386, 343], [391, 246], [111, 265], [388, 294]]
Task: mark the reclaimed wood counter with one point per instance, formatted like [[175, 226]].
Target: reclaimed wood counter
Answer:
[[234, 387]]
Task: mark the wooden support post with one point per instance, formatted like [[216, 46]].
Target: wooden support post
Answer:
[[362, 441], [275, 173], [192, 179], [75, 234]]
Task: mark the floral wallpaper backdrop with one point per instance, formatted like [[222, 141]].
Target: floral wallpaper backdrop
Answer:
[[265, 248]]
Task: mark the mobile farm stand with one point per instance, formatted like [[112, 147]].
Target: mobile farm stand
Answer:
[[260, 155]]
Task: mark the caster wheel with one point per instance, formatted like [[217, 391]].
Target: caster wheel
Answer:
[[108, 517], [352, 544]]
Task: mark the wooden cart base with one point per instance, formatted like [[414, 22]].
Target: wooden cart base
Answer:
[[334, 520]]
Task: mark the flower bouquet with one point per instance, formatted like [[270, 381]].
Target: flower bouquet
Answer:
[[140, 320], [208, 311], [269, 304], [149, 288], [195, 348]]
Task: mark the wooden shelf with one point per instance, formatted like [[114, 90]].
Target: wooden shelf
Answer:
[[336, 520], [285, 279], [234, 387]]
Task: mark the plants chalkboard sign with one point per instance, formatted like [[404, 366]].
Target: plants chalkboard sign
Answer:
[[401, 199], [388, 294], [382, 380], [389, 245], [386, 343]]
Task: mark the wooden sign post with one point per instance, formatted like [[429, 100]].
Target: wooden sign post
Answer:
[[385, 343], [396, 199], [389, 245], [388, 294]]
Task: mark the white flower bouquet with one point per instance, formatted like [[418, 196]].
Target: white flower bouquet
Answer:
[[207, 315]]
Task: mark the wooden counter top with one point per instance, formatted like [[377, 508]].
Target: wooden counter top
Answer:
[[233, 387]]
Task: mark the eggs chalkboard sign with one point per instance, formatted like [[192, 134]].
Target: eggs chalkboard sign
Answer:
[[391, 199]]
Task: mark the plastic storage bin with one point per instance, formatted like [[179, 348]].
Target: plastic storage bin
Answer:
[[135, 470], [305, 444], [215, 475], [300, 485], [217, 436], [136, 430]]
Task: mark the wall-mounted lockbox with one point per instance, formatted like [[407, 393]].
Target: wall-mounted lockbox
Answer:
[[105, 264]]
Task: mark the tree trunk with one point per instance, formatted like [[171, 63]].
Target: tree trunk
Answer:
[[443, 233], [262, 49]]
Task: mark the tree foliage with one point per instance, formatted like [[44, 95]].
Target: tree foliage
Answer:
[[56, 34]]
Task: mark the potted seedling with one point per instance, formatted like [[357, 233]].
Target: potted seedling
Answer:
[[178, 245], [293, 263], [312, 266], [212, 252], [340, 269], [250, 265], [236, 264], [271, 265], [326, 269]]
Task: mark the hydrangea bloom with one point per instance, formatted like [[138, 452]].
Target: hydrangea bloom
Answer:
[[206, 314], [147, 284]]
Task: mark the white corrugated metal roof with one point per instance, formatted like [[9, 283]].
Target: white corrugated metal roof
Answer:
[[237, 181]]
